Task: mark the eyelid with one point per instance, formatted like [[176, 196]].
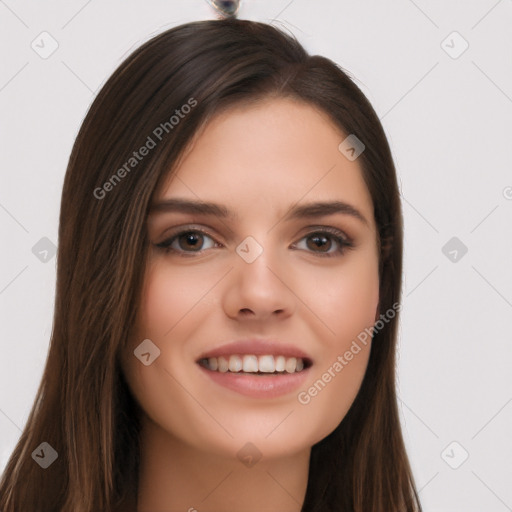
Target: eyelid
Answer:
[[184, 229], [329, 229]]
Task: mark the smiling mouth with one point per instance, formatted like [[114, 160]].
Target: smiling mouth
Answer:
[[250, 364]]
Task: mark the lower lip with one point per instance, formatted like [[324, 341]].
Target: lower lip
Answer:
[[258, 386]]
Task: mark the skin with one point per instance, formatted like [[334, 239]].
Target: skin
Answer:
[[257, 160]]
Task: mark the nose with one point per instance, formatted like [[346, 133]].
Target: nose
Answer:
[[261, 289]]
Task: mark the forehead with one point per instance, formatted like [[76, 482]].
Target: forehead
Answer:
[[268, 155]]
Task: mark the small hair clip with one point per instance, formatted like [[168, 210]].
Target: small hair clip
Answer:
[[226, 8]]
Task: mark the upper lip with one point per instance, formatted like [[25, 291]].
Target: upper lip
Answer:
[[258, 347]]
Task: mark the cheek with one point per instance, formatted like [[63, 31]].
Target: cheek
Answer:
[[172, 301], [170, 296], [344, 299]]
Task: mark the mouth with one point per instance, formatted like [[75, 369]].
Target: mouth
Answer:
[[256, 368], [252, 364]]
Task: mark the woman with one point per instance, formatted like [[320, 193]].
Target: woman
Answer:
[[228, 287]]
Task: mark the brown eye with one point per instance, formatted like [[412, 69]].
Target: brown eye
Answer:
[[321, 242], [189, 241], [326, 242]]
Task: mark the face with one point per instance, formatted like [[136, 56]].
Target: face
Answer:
[[264, 266]]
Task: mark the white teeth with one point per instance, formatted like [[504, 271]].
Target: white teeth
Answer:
[[291, 364], [223, 364], [266, 364], [250, 364], [235, 364], [253, 364], [280, 363]]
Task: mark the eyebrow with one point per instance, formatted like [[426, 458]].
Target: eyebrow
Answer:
[[309, 210]]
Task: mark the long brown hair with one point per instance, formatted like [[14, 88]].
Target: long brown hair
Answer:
[[84, 409]]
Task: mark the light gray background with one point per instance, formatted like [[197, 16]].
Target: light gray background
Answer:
[[449, 125]]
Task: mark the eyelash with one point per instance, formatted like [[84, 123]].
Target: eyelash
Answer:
[[344, 243]]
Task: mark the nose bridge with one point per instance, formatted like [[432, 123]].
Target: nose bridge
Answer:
[[258, 259], [259, 282]]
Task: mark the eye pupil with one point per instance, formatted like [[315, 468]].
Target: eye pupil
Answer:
[[191, 238], [321, 241]]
